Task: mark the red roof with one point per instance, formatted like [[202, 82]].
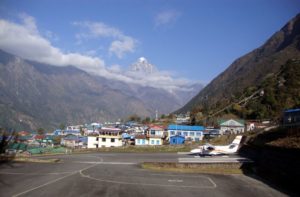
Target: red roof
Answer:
[[23, 133], [157, 127], [140, 137], [39, 137]]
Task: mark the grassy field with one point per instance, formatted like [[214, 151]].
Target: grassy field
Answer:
[[143, 149], [27, 159], [195, 168]]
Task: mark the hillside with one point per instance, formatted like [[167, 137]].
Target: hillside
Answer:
[[249, 70], [281, 91], [35, 95], [278, 91]]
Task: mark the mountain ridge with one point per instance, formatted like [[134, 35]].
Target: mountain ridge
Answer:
[[250, 69], [34, 95]]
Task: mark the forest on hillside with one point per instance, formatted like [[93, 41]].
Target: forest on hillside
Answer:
[[267, 100]]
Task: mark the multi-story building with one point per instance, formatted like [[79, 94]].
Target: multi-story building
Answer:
[[110, 137], [193, 133]]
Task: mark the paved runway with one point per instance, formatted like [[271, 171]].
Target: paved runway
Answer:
[[119, 174]]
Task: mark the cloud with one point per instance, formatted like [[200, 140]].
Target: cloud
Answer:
[[120, 47], [166, 17], [121, 43], [24, 40]]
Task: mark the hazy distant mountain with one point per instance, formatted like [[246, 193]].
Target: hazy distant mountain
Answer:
[[160, 99], [44, 96], [34, 95], [251, 69]]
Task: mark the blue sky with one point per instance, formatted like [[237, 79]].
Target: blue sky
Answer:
[[187, 40]]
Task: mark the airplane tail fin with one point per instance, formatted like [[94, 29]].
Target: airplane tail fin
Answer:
[[237, 139]]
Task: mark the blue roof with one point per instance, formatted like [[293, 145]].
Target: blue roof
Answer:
[[76, 138], [292, 110], [71, 131], [185, 128]]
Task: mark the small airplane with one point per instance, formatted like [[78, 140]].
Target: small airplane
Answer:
[[210, 150]]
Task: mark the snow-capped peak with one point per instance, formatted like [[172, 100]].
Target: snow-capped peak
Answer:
[[142, 60], [142, 65]]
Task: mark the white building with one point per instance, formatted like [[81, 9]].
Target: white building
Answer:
[[110, 137], [156, 131], [141, 140], [155, 141], [92, 142], [232, 126]]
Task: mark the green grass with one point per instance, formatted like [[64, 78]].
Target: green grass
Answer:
[[194, 168], [139, 149], [27, 159], [34, 160]]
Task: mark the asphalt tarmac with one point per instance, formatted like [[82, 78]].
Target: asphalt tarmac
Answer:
[[119, 174]]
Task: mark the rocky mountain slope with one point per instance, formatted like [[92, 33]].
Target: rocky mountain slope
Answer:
[[249, 70], [34, 95]]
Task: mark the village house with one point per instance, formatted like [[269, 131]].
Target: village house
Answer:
[[156, 134], [191, 133], [156, 131], [183, 118], [232, 126], [155, 140], [91, 128], [177, 139], [74, 141], [109, 137], [141, 140]]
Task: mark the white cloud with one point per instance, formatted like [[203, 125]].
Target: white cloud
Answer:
[[25, 41], [166, 17], [158, 79], [122, 46], [115, 68], [121, 43]]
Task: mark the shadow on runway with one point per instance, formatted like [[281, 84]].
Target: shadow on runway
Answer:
[[276, 167]]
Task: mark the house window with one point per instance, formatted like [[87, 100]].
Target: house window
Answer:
[[198, 133], [178, 132], [152, 141], [185, 133], [138, 141], [192, 133], [152, 132], [143, 141], [112, 140], [172, 132], [197, 139], [157, 142], [103, 139]]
